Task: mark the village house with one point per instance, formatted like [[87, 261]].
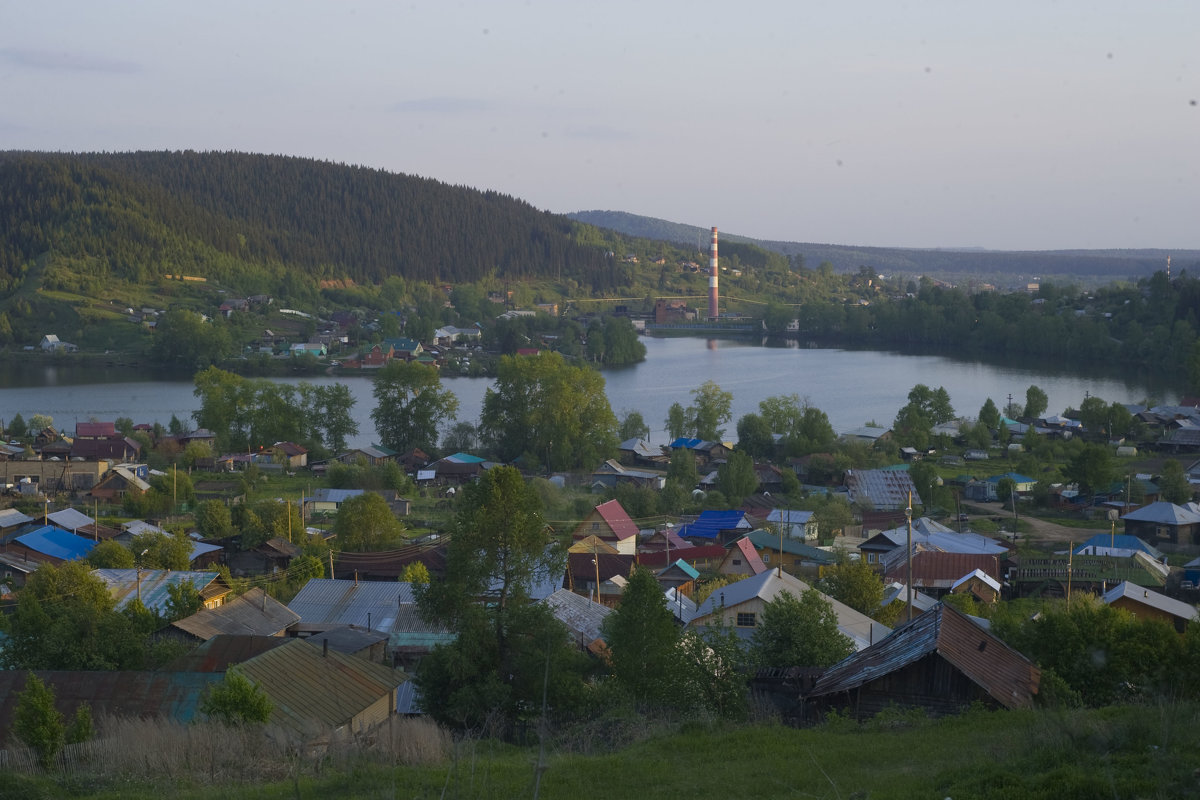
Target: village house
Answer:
[[254, 613], [1146, 603], [941, 662], [1164, 523], [792, 554], [387, 607], [609, 523], [150, 586], [739, 606]]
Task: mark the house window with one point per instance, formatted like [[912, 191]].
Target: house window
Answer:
[[595, 526], [766, 558], [870, 558], [745, 619], [737, 562]]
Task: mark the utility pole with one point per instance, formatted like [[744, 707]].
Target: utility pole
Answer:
[[908, 554]]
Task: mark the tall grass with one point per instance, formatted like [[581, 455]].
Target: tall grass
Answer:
[[1149, 751]]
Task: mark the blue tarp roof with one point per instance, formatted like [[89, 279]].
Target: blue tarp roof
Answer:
[[57, 543]]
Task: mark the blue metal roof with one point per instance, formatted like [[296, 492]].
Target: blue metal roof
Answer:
[[710, 524], [57, 543], [333, 495], [1120, 541]]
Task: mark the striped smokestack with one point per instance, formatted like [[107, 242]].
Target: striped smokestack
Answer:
[[712, 279]]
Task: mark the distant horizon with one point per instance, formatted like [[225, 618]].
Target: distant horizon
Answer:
[[1165, 251], [1022, 127]]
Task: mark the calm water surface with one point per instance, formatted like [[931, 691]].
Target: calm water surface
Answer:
[[852, 387]]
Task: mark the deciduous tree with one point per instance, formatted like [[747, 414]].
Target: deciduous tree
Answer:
[[854, 583], [65, 619], [551, 412], [505, 645], [411, 405], [799, 631], [1036, 402], [1174, 483], [365, 523], [642, 636]]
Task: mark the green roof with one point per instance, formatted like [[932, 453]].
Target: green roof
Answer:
[[762, 539]]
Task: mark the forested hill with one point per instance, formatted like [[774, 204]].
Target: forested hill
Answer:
[[1102, 264], [136, 215]]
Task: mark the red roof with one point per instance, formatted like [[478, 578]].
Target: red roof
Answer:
[[708, 553], [614, 514], [933, 568], [753, 560], [96, 430]]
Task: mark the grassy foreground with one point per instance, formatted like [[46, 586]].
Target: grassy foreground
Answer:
[[1149, 751]]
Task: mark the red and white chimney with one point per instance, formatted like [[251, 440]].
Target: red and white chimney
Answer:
[[712, 278]]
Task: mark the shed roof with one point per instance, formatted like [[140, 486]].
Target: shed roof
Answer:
[[11, 518], [1010, 678], [582, 616]]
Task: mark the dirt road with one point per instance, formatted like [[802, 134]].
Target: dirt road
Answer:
[[1045, 533]]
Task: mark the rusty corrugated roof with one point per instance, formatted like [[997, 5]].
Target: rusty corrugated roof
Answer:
[[167, 695], [223, 651], [312, 690], [1006, 675]]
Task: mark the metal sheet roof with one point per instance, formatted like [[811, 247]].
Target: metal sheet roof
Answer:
[[1151, 598], [125, 584], [70, 519], [57, 543], [582, 616], [168, 695], [885, 489], [367, 604], [11, 518], [614, 514], [1165, 513], [313, 691], [861, 629], [999, 670], [254, 613]]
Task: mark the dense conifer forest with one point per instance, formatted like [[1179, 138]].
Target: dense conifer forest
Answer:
[[222, 215]]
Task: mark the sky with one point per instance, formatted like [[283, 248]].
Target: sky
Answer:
[[1017, 125]]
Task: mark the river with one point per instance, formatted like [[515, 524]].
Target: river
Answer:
[[852, 387]]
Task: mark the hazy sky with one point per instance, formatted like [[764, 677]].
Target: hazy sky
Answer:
[[1012, 125]]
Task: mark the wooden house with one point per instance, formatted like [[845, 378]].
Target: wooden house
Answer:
[[1164, 523], [739, 606], [609, 523], [679, 576], [742, 559], [941, 662], [978, 584], [1146, 603], [254, 613]]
